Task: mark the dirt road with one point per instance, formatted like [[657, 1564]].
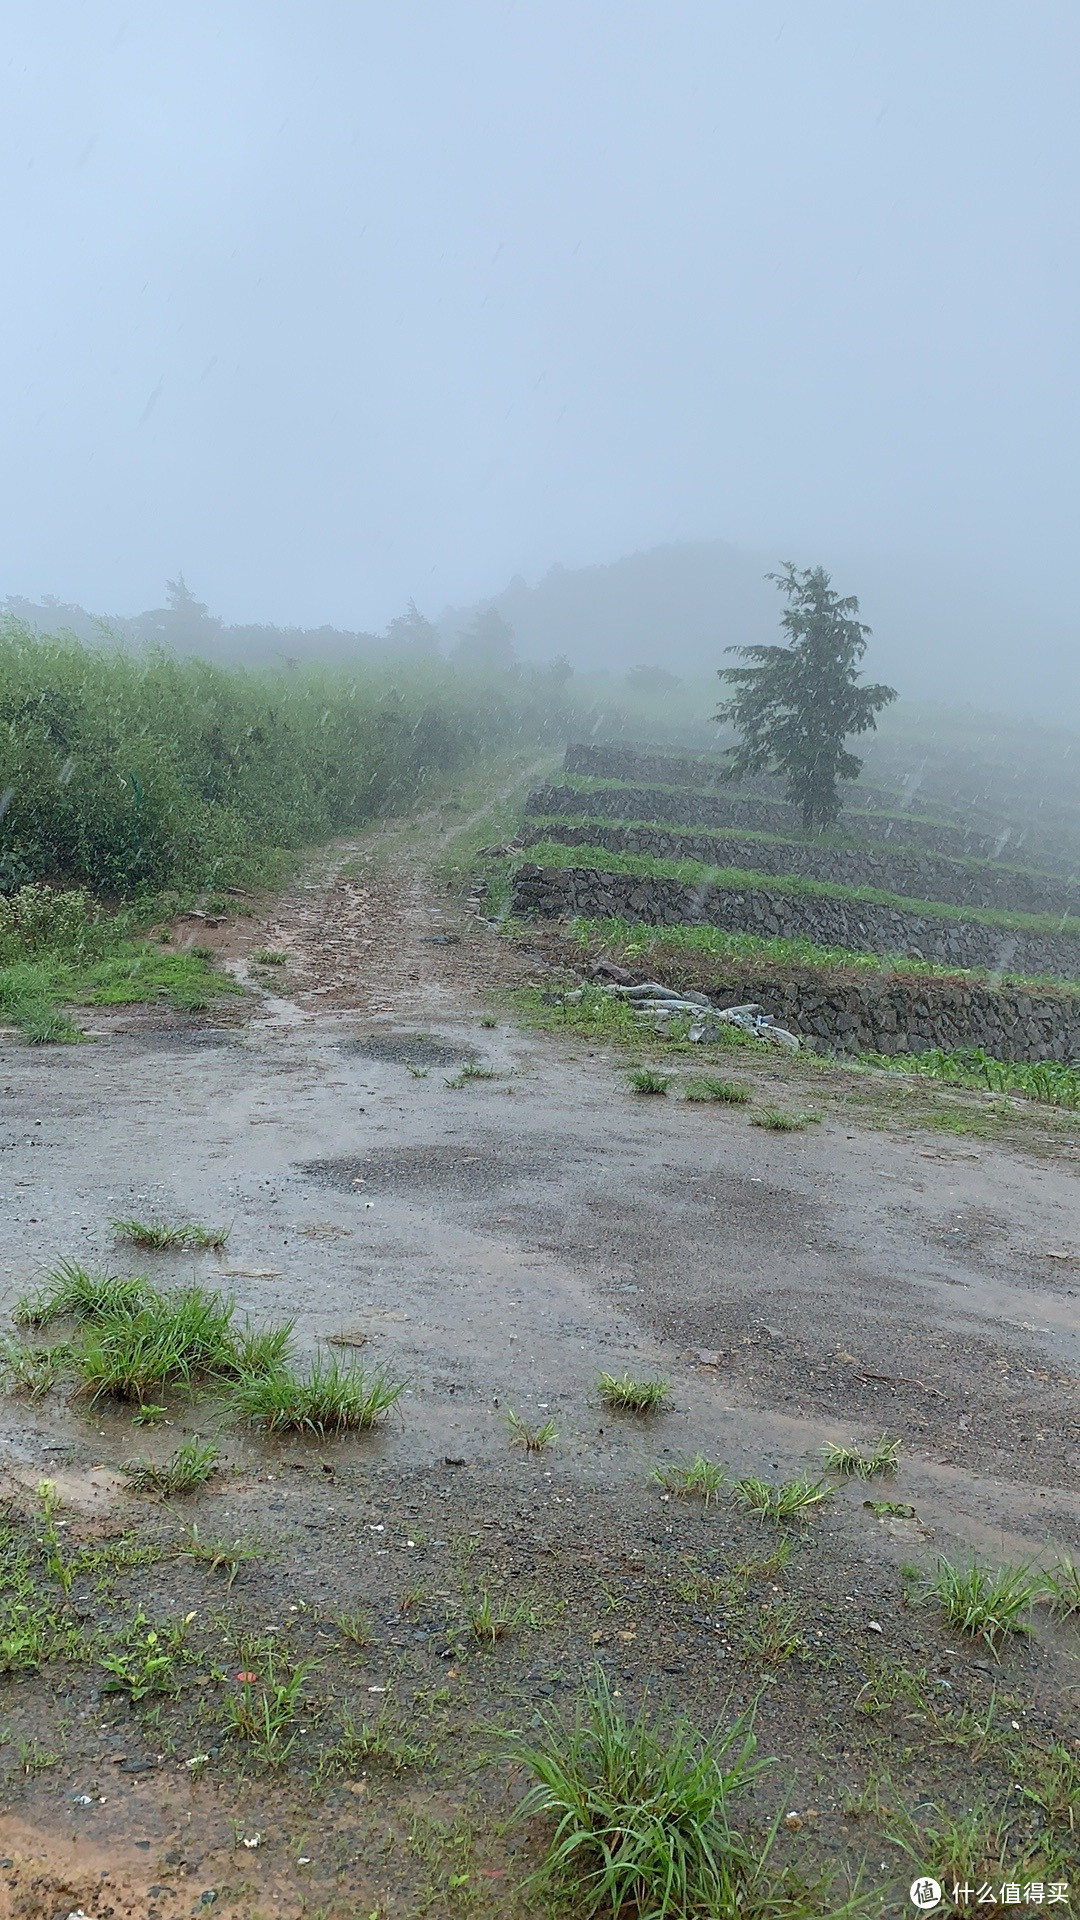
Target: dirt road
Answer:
[[497, 1242]]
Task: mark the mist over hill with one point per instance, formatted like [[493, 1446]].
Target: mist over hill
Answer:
[[938, 633]]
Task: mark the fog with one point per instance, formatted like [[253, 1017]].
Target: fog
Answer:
[[334, 305]]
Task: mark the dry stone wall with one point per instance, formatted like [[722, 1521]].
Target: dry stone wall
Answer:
[[602, 762], [860, 926], [902, 870], [734, 809], [890, 1014]]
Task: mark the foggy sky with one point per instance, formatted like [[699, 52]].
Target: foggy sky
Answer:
[[333, 302]]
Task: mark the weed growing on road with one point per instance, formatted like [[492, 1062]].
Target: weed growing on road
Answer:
[[728, 1092], [785, 1502], [490, 1619], [471, 1071], [1063, 1588], [775, 1635], [986, 1603], [219, 1555], [356, 1626], [270, 957], [370, 1743], [147, 1659], [882, 1457], [156, 1236], [170, 1342], [333, 1397], [697, 1476], [533, 1439], [623, 1394], [70, 1292], [33, 1370], [264, 1711], [647, 1080], [641, 1812], [776, 1120], [190, 1467]]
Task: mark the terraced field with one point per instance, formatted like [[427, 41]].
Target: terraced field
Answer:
[[900, 931]]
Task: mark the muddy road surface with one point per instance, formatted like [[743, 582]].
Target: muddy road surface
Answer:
[[485, 1212]]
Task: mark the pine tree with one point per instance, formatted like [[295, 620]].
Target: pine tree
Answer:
[[798, 704]]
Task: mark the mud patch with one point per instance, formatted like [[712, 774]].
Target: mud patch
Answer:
[[411, 1049]]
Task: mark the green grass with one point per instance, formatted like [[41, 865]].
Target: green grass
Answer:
[[623, 1394], [174, 1341], [853, 1462], [729, 1093], [269, 957], [835, 842], [192, 1465], [1063, 1588], [161, 1238], [219, 1555], [777, 1120], [333, 1397], [640, 1811], [780, 1504], [698, 1477], [695, 873], [72, 1292], [33, 994], [986, 1603], [647, 1080], [533, 1439], [635, 943]]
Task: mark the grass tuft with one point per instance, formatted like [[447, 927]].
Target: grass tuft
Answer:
[[623, 1394], [985, 1603], [647, 1080], [71, 1293], [333, 1397], [155, 1235], [700, 1477], [190, 1467], [220, 1555], [728, 1092], [782, 1503], [1063, 1588], [776, 1120], [641, 1813], [169, 1343], [852, 1462], [533, 1439]]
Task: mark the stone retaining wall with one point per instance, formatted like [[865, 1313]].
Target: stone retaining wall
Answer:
[[903, 870], [734, 809], [890, 1014], [859, 925]]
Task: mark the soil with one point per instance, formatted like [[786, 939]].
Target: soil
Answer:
[[497, 1242]]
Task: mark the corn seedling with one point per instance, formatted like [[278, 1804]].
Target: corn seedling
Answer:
[[533, 1439], [641, 1813], [985, 1603], [331, 1398], [785, 1502], [189, 1468], [728, 1093], [623, 1394], [852, 1462], [156, 1237], [700, 1477], [647, 1080]]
